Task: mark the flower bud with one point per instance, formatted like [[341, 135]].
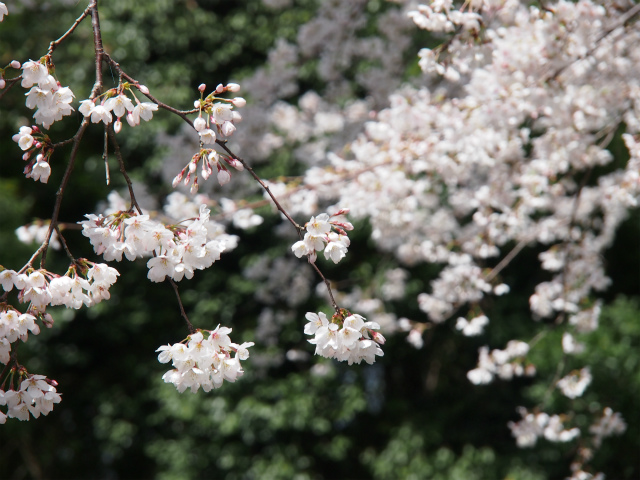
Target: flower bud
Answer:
[[239, 102], [131, 120], [227, 129], [2, 83], [378, 337], [223, 176], [199, 124], [177, 179], [194, 187], [233, 87], [117, 126], [202, 87], [47, 320], [342, 211], [15, 64], [219, 88], [143, 89]]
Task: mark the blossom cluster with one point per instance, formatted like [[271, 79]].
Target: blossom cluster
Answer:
[[85, 283], [30, 140], [210, 160], [505, 363], [13, 326], [574, 384], [346, 337], [36, 396], [52, 100], [177, 250], [115, 102], [535, 425], [215, 114], [319, 236], [204, 362]]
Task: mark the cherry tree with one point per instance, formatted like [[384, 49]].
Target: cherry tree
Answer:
[[502, 145]]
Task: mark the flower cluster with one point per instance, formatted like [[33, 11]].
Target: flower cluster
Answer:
[[36, 395], [177, 250], [219, 113], [346, 337], [37, 232], [85, 283], [52, 100], [31, 140], [319, 236], [115, 102], [219, 119], [574, 384], [204, 362], [13, 326], [611, 423], [473, 327], [505, 363], [210, 160], [532, 426]]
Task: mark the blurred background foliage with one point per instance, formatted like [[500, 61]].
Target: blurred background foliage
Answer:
[[412, 415]]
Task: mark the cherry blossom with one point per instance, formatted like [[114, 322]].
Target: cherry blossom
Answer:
[[204, 362]]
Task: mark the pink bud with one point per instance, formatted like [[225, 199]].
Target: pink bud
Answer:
[[2, 83], [202, 87], [219, 88], [143, 89], [194, 187], [192, 167], [342, 211], [15, 64], [117, 126], [35, 128], [177, 180], [37, 145], [234, 163], [377, 337], [47, 319], [233, 87]]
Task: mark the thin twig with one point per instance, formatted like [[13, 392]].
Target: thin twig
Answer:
[[10, 83], [97, 87], [182, 312], [64, 244], [53, 45], [507, 259], [123, 170]]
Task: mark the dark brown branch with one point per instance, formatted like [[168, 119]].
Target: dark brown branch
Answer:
[[97, 87]]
